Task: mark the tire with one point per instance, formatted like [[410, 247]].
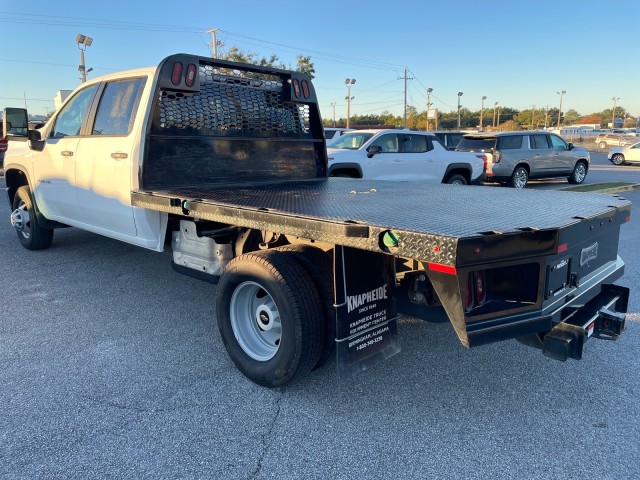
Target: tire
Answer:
[[519, 178], [270, 321], [602, 145], [456, 179], [319, 265], [31, 234], [617, 159], [579, 173]]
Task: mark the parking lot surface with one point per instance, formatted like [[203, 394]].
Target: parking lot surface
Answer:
[[112, 367]]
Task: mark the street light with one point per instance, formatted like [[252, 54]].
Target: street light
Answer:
[[333, 105], [613, 113], [482, 111], [348, 82], [560, 111], [429, 90], [459, 95], [83, 42]]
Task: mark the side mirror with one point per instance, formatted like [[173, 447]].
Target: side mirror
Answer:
[[372, 150], [15, 121], [34, 135], [571, 146]]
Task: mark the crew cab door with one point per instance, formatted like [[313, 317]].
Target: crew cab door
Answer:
[[542, 159], [419, 158], [54, 163], [103, 161]]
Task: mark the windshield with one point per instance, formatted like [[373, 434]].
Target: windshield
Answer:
[[476, 144], [351, 141]]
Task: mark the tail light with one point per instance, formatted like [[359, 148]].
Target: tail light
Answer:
[[497, 156], [467, 298], [485, 159], [480, 287], [305, 89], [475, 294], [296, 87], [190, 77], [176, 74]]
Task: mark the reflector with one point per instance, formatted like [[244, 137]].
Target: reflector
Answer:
[[176, 75]]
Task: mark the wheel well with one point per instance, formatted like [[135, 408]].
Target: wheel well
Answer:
[[524, 165], [14, 179], [458, 171], [583, 160], [345, 172]]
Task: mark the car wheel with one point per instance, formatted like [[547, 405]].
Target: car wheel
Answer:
[[519, 178], [602, 145], [617, 159], [270, 317], [579, 173], [456, 180], [31, 234]]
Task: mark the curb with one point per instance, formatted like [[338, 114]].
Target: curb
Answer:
[[605, 189]]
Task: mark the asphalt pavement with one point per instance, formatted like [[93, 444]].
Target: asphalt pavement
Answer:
[[111, 366]]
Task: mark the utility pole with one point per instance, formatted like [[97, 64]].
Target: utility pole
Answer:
[[613, 112], [348, 82], [214, 42], [429, 90], [405, 78], [459, 95], [560, 111], [482, 111], [83, 42], [333, 105], [546, 116], [495, 105], [533, 112]]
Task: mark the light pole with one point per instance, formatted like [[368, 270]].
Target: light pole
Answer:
[[459, 95], [334, 114], [495, 105], [348, 82], [83, 42], [482, 110], [560, 110], [429, 90], [613, 113]]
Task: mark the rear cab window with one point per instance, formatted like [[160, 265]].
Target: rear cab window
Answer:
[[471, 144]]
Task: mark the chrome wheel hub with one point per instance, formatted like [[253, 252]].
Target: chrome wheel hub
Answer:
[[21, 221]]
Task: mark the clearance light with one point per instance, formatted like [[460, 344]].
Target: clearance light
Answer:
[[438, 267], [190, 78], [176, 75], [481, 292], [305, 89], [562, 248]]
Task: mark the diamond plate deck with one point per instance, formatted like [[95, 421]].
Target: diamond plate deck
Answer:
[[423, 214]]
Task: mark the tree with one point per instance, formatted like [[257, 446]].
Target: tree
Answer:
[[592, 118], [304, 63], [571, 117]]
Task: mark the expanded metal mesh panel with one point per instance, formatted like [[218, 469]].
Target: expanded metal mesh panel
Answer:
[[232, 103]]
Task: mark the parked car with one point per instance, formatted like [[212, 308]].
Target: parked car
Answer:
[[609, 139], [449, 139], [626, 154], [402, 155], [3, 149], [518, 156], [333, 133]]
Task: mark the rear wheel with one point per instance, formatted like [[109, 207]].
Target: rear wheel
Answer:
[[519, 178], [602, 145], [617, 159], [579, 173], [31, 234], [456, 179], [270, 320]]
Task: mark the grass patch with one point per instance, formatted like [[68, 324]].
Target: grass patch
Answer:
[[608, 186]]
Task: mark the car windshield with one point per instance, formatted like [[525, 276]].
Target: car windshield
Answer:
[[476, 144], [351, 141]]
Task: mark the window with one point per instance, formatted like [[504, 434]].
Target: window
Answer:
[[557, 143], [351, 141], [539, 142], [511, 142], [388, 142], [117, 108], [414, 143], [69, 121]]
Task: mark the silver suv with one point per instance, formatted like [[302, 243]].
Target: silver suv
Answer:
[[613, 139], [519, 156]]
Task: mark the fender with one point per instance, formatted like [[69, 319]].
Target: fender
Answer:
[[340, 166], [458, 166]]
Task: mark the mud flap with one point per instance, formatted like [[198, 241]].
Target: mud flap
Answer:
[[366, 318]]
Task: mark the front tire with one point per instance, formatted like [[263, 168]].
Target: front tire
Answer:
[[270, 318], [31, 234], [602, 145], [617, 159], [519, 178], [579, 173]]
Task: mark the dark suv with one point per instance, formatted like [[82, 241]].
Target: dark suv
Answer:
[[518, 156]]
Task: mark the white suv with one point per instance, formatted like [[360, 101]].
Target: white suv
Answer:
[[402, 155]]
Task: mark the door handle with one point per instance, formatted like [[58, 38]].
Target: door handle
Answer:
[[396, 160], [66, 153], [119, 155]]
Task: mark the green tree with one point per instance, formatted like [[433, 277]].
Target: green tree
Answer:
[[571, 117], [304, 63]]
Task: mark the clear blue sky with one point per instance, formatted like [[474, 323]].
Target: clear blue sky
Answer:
[[516, 53]]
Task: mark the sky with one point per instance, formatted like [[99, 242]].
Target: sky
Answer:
[[519, 54]]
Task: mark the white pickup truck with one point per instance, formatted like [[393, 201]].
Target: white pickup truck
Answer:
[[227, 163], [402, 155]]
